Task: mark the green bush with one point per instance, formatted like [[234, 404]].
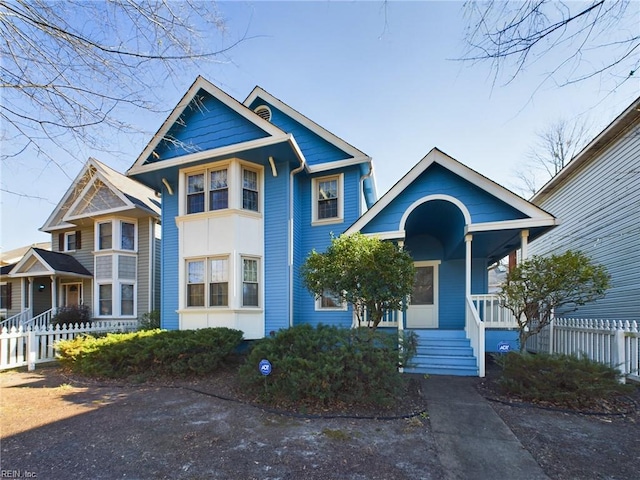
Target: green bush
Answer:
[[326, 366], [560, 380], [72, 315], [149, 320], [150, 352]]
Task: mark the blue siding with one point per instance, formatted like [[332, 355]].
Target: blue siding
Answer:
[[206, 124], [170, 287], [276, 210], [315, 149], [482, 206]]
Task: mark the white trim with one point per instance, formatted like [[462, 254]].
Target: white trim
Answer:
[[200, 83], [347, 162], [429, 198], [315, 221], [511, 224], [66, 242], [128, 205], [436, 156], [306, 122], [210, 154], [389, 235], [319, 308]]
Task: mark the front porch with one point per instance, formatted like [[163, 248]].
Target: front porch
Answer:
[[488, 327]]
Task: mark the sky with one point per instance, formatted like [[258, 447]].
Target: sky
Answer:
[[383, 76]]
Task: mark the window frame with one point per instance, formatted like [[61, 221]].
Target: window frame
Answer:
[[243, 188], [189, 283], [341, 305], [244, 281], [67, 235], [315, 203]]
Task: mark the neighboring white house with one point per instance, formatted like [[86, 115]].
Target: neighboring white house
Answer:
[[596, 199]]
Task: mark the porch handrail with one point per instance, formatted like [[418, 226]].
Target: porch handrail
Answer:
[[41, 320], [474, 329], [16, 320], [492, 312]]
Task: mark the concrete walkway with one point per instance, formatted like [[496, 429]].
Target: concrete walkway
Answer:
[[472, 440]]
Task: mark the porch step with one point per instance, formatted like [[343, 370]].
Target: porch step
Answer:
[[443, 352]]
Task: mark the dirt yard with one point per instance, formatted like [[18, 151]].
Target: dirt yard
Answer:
[[54, 427]]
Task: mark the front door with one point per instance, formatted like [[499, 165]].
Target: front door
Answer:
[[423, 307], [72, 294]]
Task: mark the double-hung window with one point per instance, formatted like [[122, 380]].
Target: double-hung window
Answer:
[[127, 236], [218, 190], [218, 282], [327, 199], [105, 237], [208, 282], [250, 282], [195, 193], [195, 283], [70, 239], [249, 190]]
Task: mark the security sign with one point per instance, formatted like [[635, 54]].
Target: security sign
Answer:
[[265, 367], [504, 347]]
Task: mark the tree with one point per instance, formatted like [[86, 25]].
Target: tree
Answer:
[[539, 285], [554, 148], [584, 39], [367, 272], [70, 70]]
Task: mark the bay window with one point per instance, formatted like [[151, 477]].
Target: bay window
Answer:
[[249, 282]]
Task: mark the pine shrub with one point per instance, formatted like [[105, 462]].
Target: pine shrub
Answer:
[[326, 366], [150, 352]]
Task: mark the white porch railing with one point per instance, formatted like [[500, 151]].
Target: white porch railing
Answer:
[[492, 313], [615, 343], [389, 319], [17, 319], [32, 345], [42, 320], [474, 329]]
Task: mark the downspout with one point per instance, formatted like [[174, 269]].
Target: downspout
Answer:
[[290, 241], [362, 179]]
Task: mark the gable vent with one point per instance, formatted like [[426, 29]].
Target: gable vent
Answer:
[[264, 112]]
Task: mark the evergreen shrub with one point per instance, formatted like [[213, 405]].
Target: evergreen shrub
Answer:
[[72, 315], [326, 366], [150, 352]]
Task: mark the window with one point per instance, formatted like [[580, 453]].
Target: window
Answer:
[[104, 299], [126, 299], [195, 193], [127, 236], [249, 282], [105, 241], [70, 241], [330, 301], [5, 296], [195, 284], [249, 190], [218, 282], [327, 199], [218, 190]]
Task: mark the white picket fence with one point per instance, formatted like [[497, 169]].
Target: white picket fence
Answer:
[[37, 344], [612, 342]]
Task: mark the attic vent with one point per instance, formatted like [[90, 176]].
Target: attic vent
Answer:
[[264, 112]]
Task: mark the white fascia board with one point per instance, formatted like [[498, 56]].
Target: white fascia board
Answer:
[[511, 225], [390, 235], [99, 176], [305, 121], [216, 152], [27, 257], [225, 98], [321, 167]]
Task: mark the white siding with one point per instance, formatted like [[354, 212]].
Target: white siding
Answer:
[[599, 210]]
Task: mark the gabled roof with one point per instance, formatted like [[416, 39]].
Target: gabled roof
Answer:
[[44, 262], [622, 124], [275, 135], [117, 194], [537, 216], [357, 155]]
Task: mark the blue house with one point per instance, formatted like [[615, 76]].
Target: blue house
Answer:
[[249, 189]]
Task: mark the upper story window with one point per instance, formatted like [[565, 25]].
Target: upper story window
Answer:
[[328, 199], [220, 187], [249, 190], [116, 234], [71, 241]]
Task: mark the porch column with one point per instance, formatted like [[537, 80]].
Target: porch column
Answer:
[[524, 244], [467, 269], [401, 311], [54, 293]]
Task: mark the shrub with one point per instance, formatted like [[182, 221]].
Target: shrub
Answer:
[[326, 366], [149, 320], [560, 380], [72, 315], [150, 352]]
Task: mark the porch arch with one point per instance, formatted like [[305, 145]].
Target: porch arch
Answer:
[[428, 198]]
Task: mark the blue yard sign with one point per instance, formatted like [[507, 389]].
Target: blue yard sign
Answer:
[[265, 367], [504, 347]]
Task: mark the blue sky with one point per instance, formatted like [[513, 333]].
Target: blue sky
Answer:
[[384, 77]]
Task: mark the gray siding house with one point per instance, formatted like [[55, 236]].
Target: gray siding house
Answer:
[[104, 252], [596, 199]]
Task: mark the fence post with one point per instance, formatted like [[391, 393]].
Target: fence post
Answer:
[[32, 349], [619, 357], [551, 335]]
